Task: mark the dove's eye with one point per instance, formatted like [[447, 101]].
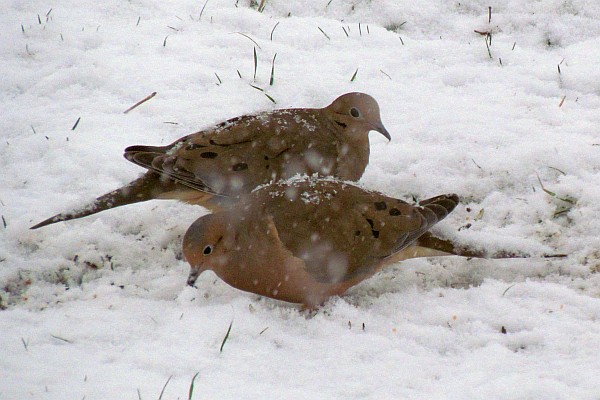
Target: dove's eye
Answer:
[[354, 112], [207, 250]]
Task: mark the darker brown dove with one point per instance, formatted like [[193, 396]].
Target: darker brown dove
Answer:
[[214, 166], [305, 240]]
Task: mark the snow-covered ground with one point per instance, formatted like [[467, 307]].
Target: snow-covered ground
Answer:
[[98, 308]]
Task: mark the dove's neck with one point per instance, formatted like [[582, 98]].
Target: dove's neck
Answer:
[[353, 157]]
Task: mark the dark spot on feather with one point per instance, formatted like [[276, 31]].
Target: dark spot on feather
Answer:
[[380, 205], [193, 146], [356, 233], [343, 125], [394, 212], [209, 154], [240, 166], [267, 166], [375, 234], [266, 158], [212, 142], [370, 221]]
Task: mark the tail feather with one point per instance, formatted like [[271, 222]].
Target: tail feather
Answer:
[[429, 241], [147, 187], [440, 206]]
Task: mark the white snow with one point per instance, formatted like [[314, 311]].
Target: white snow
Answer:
[[98, 307]]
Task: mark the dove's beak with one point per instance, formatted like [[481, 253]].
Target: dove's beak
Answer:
[[381, 129], [193, 276]]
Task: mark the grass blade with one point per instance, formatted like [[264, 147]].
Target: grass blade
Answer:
[[76, 123], [191, 392], [354, 76], [164, 387], [273, 71], [255, 63], [226, 335], [142, 101], [323, 32], [272, 30], [202, 11], [270, 98]]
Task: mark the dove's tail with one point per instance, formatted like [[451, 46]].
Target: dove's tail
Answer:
[[431, 245], [149, 186], [440, 206], [431, 242]]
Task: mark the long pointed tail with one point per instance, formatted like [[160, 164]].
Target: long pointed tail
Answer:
[[147, 187], [446, 246]]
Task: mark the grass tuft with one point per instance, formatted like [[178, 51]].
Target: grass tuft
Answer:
[[395, 27]]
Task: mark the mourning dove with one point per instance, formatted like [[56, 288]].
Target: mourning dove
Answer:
[[305, 240], [215, 165]]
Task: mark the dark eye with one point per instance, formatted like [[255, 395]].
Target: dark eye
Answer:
[[207, 250], [354, 112]]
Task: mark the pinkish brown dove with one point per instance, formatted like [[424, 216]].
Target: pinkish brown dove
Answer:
[[304, 240], [216, 165]]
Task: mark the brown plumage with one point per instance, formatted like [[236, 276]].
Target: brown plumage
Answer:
[[214, 166], [305, 240]]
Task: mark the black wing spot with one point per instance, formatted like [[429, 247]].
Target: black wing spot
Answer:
[[193, 146], [209, 154], [356, 233], [240, 166], [370, 221], [394, 212], [343, 125], [375, 234], [380, 205]]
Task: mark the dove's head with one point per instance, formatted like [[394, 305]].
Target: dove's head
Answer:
[[357, 113], [204, 245]]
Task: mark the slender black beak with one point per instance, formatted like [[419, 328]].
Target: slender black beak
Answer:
[[381, 129], [191, 281]]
